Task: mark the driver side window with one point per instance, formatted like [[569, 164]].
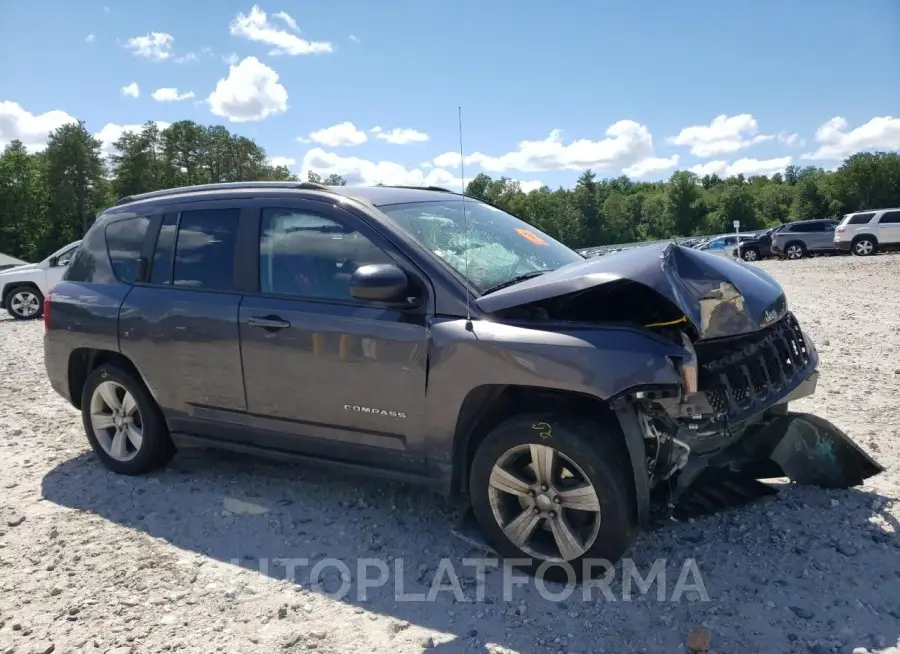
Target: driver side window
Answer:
[[306, 255]]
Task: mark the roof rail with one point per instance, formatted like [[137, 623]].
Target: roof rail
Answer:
[[221, 186], [424, 188]]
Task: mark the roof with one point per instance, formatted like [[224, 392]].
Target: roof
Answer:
[[375, 195]]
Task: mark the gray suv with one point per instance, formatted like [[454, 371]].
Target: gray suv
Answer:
[[803, 238], [428, 336]]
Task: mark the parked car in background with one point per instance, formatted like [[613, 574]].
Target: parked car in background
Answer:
[[723, 245], [7, 261], [757, 248], [23, 288], [866, 232], [804, 237]]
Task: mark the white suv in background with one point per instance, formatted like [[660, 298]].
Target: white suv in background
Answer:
[[23, 288], [866, 232]]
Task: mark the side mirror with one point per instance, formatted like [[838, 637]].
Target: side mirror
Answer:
[[380, 282], [53, 263]]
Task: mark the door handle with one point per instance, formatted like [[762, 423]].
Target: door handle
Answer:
[[268, 322]]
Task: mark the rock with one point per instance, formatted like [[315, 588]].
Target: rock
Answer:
[[44, 648], [16, 520], [698, 640], [801, 612], [290, 640], [427, 642], [398, 625], [282, 613]]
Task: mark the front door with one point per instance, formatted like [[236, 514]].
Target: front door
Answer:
[[325, 374]]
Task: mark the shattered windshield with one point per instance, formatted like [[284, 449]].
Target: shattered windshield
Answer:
[[499, 246]]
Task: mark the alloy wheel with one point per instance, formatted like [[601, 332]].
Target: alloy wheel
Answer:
[[116, 421], [544, 503], [750, 255], [864, 248], [794, 252], [24, 304]]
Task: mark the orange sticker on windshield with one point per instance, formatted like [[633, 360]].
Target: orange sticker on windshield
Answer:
[[531, 236]]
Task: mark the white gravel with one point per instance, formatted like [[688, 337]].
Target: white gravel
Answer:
[[98, 563]]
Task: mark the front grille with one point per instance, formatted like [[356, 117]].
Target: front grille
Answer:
[[744, 375]]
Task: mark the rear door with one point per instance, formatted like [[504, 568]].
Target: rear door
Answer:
[[179, 324], [889, 228], [328, 375]]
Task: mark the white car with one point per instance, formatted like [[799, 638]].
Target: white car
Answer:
[[23, 288]]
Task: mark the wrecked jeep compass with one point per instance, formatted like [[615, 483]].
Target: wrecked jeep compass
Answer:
[[431, 337]]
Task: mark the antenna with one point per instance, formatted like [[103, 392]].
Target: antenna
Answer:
[[462, 174]]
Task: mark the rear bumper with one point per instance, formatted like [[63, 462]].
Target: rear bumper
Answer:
[[56, 363], [842, 246]]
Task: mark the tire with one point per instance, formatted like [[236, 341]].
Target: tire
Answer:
[[597, 458], [750, 254], [20, 299], [153, 450], [795, 250], [864, 246]]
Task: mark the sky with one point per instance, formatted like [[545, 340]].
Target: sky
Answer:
[[372, 91]]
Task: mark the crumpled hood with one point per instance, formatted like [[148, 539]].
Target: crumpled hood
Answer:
[[718, 296]]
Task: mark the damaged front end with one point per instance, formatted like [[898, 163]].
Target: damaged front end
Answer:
[[743, 358]]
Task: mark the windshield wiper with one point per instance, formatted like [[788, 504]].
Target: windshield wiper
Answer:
[[514, 280]]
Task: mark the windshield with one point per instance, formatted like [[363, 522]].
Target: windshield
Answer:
[[500, 246]]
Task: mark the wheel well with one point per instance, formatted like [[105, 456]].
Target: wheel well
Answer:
[[84, 361], [487, 406], [871, 237], [11, 285], [796, 241]]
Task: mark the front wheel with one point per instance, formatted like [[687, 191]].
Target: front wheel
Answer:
[[25, 303], [554, 495], [123, 424], [750, 254]]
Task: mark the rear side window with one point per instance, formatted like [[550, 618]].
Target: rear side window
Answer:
[[205, 249], [124, 241], [860, 219], [161, 272], [890, 218]]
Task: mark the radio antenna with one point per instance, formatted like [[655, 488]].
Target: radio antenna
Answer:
[[462, 174]]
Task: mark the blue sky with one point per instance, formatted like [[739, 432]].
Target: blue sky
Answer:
[[615, 86]]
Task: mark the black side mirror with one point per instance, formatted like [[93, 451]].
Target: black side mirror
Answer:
[[381, 282], [54, 262]]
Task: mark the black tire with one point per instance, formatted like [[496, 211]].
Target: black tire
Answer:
[[606, 466], [17, 292], [156, 449], [859, 249], [750, 254], [789, 249]]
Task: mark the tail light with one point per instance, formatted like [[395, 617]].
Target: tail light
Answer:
[[841, 229], [47, 313]]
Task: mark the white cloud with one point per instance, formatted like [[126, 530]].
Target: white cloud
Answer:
[[171, 95], [288, 20], [725, 134], [257, 27], [399, 135], [31, 129], [626, 144], [231, 59], [90, 38], [651, 165], [131, 90], [747, 167], [790, 138], [156, 46], [880, 133], [185, 58], [282, 161], [111, 133], [250, 92], [342, 134], [358, 171], [354, 38]]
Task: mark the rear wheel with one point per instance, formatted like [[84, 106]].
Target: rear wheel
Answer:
[[864, 246], [123, 423], [795, 250], [554, 495], [25, 303]]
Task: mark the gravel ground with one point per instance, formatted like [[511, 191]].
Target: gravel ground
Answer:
[[185, 559]]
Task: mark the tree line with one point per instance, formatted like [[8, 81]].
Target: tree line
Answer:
[[50, 198]]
